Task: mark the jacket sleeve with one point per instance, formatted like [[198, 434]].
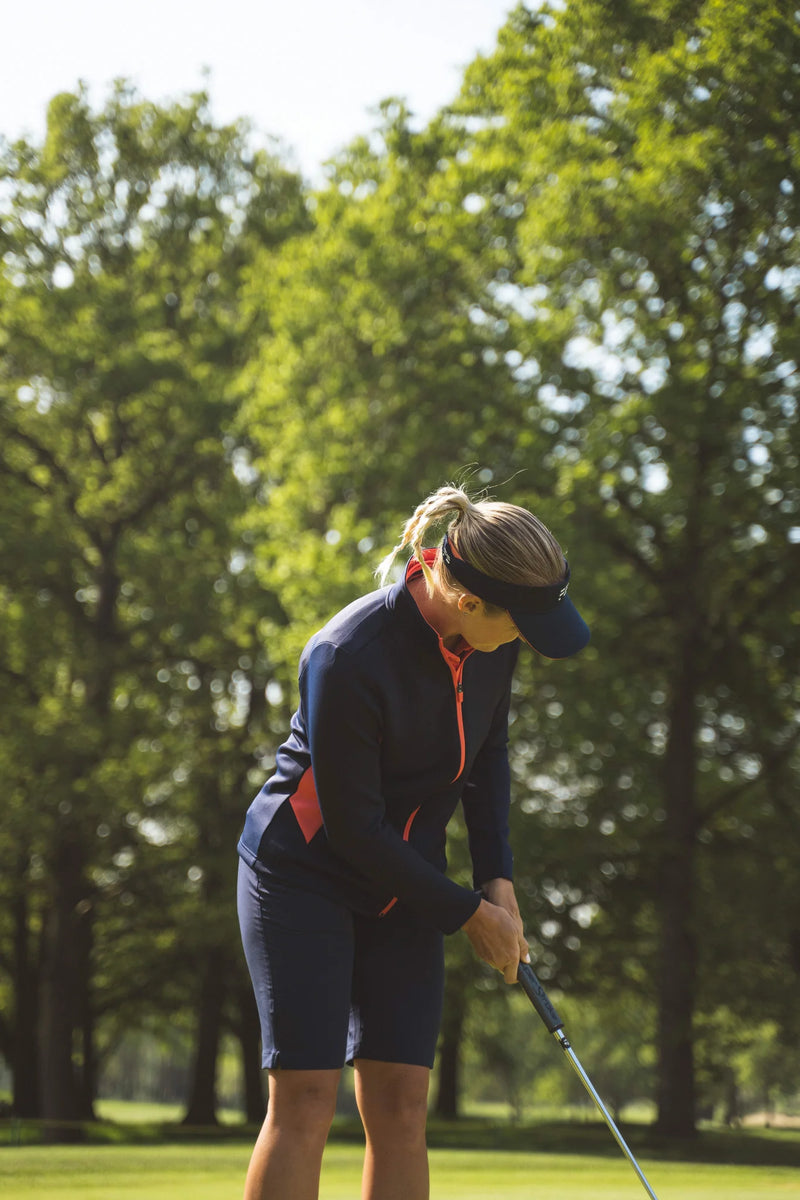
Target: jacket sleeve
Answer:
[[486, 801], [344, 722]]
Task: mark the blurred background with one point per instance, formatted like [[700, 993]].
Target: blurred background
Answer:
[[232, 363]]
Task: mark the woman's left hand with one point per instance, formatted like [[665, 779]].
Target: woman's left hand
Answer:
[[501, 892]]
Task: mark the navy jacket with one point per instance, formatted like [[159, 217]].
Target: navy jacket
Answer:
[[392, 730]]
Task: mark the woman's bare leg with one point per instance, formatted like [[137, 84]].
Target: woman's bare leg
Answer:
[[393, 1103], [287, 1157]]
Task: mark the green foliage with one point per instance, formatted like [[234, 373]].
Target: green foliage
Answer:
[[650, 285], [219, 401], [129, 631], [374, 372], [586, 269]]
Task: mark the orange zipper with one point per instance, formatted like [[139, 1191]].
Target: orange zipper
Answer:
[[406, 836], [455, 664], [457, 672]]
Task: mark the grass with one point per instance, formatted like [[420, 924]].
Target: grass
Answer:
[[215, 1171], [144, 1112], [142, 1152]]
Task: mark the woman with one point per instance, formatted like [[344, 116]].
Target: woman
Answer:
[[343, 899]]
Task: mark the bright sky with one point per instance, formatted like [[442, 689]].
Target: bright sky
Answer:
[[306, 71]]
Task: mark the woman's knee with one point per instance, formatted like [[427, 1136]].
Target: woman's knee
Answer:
[[303, 1102], [394, 1101]]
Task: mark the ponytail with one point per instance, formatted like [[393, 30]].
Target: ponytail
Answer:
[[439, 505], [502, 540]]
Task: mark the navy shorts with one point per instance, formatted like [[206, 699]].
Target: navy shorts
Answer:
[[332, 985]]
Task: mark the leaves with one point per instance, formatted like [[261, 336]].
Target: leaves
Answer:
[[129, 638], [220, 398]]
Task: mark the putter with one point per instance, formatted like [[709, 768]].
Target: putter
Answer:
[[553, 1024]]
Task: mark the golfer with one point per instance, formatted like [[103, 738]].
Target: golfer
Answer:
[[343, 896]]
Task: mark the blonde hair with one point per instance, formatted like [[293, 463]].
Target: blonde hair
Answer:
[[502, 540]]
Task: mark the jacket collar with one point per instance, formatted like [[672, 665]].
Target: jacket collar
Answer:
[[401, 600]]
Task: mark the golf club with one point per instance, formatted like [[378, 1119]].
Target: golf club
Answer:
[[553, 1023]]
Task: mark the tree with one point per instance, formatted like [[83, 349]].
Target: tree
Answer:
[[373, 371], [639, 163], [385, 380], [125, 588], [574, 272]]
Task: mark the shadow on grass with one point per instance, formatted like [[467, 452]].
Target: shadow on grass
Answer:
[[736, 1147], [774, 1147]]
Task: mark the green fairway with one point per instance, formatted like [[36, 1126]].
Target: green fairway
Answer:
[[216, 1172]]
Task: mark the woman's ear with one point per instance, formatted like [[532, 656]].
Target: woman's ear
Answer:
[[469, 604]]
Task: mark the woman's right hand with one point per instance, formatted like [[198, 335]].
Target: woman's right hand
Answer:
[[495, 938]]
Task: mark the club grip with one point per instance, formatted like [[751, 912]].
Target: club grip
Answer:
[[538, 997]]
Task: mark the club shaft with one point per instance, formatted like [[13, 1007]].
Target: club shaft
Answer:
[[560, 1036]]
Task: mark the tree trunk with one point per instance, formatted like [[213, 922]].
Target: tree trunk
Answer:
[[676, 893], [202, 1103], [24, 1053], [249, 1033], [86, 1017], [732, 1115], [59, 997], [448, 1091]]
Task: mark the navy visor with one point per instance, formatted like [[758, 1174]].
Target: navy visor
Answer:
[[545, 616]]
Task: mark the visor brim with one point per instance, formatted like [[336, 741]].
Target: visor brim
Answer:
[[559, 633]]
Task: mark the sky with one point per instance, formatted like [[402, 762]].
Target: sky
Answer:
[[305, 71]]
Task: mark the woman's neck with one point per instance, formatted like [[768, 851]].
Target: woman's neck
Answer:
[[438, 612]]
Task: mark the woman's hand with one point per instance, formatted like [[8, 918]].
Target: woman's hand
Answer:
[[501, 892], [495, 929]]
